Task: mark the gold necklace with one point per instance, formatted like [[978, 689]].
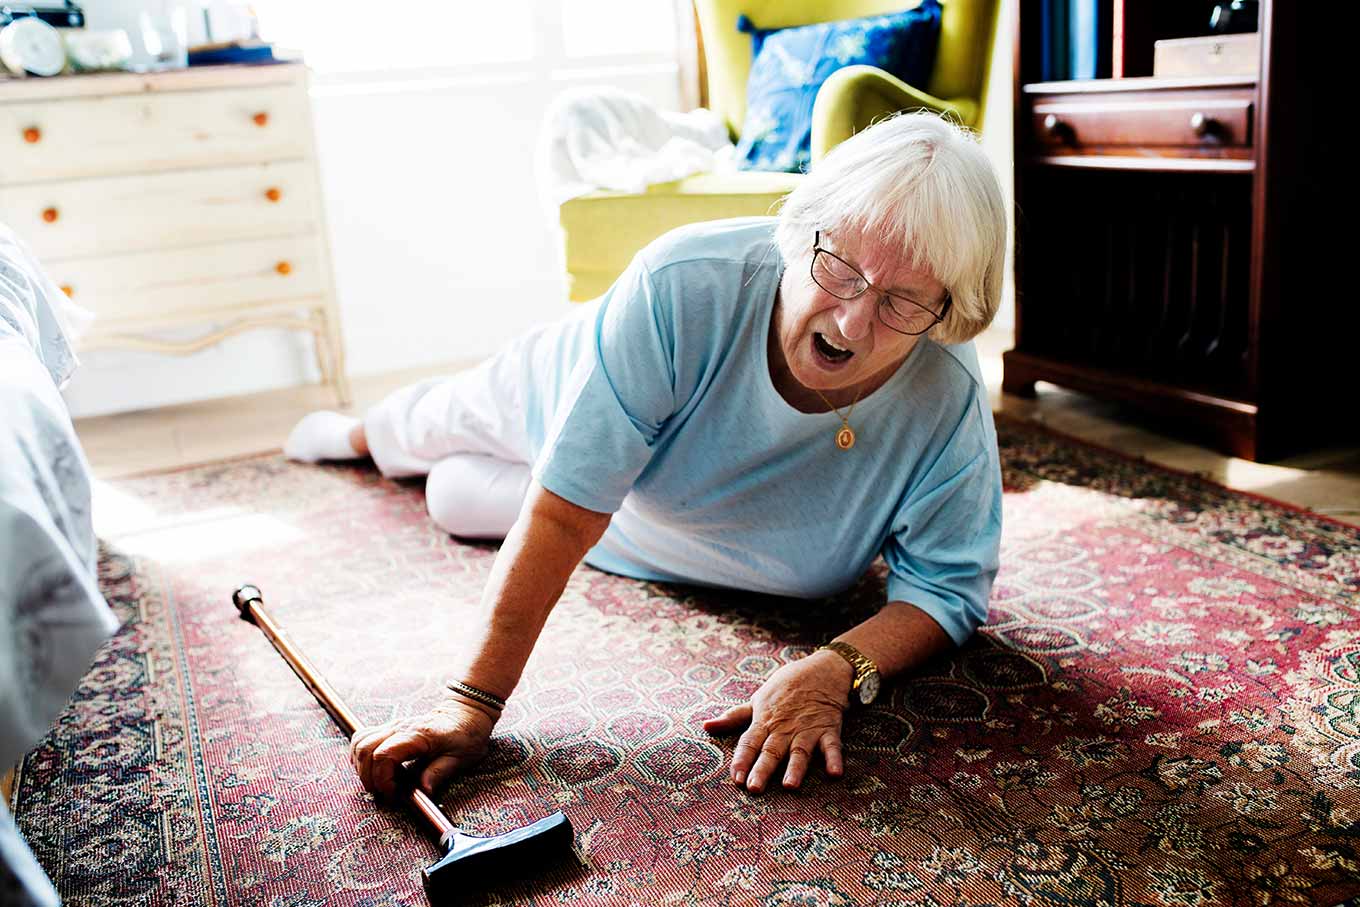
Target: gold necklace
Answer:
[[845, 438]]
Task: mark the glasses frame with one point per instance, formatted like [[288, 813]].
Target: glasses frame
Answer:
[[886, 297]]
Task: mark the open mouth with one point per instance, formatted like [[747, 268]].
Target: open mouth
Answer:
[[828, 350]]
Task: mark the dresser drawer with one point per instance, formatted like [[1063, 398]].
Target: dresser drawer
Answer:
[[1173, 121], [151, 133], [111, 215], [201, 279]]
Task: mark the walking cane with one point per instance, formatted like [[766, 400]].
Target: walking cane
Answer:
[[469, 862]]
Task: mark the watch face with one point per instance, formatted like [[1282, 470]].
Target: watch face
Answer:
[[868, 688], [31, 45]]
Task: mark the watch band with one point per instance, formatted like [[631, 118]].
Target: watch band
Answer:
[[862, 665]]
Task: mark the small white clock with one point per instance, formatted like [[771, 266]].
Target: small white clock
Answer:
[[30, 46]]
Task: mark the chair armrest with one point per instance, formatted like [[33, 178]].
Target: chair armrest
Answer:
[[855, 96]]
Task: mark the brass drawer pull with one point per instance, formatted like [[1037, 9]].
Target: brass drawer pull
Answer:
[[273, 193], [1056, 129], [50, 215], [33, 135], [1203, 126], [284, 268]]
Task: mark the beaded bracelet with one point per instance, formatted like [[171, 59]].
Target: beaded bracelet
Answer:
[[472, 692]]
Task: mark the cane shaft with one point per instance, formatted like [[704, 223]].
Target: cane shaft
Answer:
[[330, 700], [302, 666]]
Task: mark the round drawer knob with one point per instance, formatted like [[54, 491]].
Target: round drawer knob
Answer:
[[284, 268], [68, 289], [1056, 129], [33, 135], [50, 215], [1201, 125], [273, 194], [261, 119]]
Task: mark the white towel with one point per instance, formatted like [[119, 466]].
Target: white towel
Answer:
[[604, 138]]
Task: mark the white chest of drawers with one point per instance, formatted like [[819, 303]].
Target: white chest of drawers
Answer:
[[176, 201]]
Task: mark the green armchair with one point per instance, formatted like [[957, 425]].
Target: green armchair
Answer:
[[603, 230]]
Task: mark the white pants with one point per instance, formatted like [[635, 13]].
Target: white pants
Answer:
[[466, 434]]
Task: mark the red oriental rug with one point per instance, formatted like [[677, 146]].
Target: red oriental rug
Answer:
[[1164, 711]]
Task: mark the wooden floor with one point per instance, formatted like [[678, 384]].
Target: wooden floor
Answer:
[[1326, 481]]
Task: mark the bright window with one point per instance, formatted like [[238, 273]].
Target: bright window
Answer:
[[349, 36], [353, 36], [597, 28]]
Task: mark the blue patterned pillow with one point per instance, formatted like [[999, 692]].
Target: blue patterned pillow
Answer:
[[790, 65]]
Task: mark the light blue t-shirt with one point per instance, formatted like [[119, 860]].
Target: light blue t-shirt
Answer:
[[670, 421]]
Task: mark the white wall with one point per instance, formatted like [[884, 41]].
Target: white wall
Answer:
[[441, 249]]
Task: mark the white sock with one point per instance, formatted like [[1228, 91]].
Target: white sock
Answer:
[[322, 435]]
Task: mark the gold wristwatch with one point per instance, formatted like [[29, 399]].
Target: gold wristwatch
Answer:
[[867, 681]]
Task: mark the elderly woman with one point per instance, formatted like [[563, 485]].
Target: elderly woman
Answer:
[[761, 404]]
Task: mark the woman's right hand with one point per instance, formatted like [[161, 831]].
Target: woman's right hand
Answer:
[[452, 735]]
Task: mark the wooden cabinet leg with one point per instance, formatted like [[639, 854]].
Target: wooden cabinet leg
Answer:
[[1016, 378], [343, 395], [321, 343], [330, 358], [337, 348]]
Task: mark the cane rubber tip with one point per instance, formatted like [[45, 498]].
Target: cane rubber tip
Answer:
[[244, 597]]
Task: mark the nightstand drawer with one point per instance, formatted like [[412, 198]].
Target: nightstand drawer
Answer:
[[201, 279], [151, 133], [1173, 121], [110, 215]]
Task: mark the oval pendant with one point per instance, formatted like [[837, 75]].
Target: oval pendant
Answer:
[[845, 438]]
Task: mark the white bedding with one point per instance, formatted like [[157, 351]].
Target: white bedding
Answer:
[[52, 616]]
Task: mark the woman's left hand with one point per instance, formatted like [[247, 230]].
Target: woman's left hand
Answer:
[[795, 713]]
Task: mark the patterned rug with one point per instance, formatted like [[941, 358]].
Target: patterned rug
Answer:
[[1164, 710]]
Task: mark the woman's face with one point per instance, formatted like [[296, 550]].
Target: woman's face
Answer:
[[839, 346]]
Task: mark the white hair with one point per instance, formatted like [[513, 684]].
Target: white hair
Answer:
[[919, 183]]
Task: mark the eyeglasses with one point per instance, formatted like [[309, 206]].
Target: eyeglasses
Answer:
[[844, 281]]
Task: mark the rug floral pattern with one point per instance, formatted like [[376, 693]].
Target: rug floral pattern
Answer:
[[1163, 711]]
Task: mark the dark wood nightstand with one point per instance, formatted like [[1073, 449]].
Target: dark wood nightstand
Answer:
[[1172, 247]]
